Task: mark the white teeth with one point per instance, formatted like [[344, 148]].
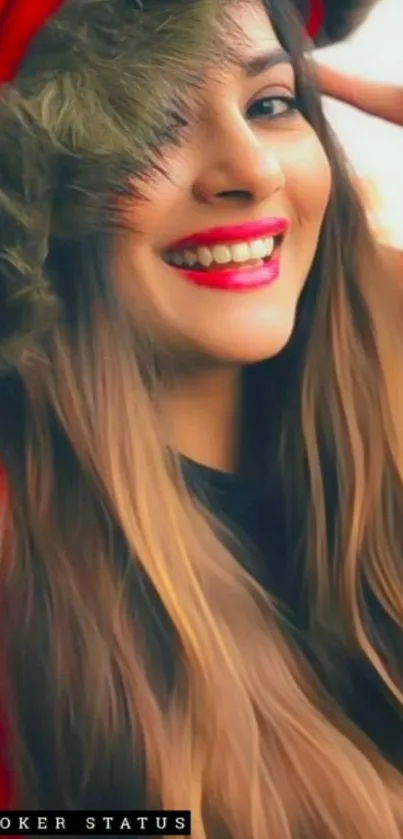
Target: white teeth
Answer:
[[270, 244], [189, 258], [204, 256], [240, 253], [224, 254], [221, 254], [258, 249]]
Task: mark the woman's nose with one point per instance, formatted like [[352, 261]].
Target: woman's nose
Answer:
[[241, 168]]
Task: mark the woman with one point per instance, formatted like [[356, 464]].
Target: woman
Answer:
[[201, 562]]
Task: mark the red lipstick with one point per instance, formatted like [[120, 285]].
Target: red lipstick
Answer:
[[245, 232], [244, 276]]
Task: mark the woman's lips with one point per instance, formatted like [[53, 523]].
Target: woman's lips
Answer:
[[244, 278], [241, 257], [245, 232], [250, 275]]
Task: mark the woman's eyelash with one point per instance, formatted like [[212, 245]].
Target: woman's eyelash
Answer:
[[285, 106]]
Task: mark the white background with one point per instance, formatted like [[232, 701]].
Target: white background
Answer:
[[374, 147]]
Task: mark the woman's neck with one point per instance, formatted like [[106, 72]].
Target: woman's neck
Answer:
[[201, 414]]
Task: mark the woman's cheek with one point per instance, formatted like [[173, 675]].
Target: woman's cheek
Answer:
[[307, 175]]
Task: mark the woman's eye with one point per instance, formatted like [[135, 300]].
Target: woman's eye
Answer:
[[272, 107]]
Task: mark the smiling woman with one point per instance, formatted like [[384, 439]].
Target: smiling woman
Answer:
[[238, 213], [201, 435]]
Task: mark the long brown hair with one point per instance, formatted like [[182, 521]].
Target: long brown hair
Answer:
[[109, 562]]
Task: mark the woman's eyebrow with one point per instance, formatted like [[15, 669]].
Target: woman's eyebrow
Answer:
[[254, 65]]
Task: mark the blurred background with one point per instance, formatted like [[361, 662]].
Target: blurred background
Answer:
[[374, 147]]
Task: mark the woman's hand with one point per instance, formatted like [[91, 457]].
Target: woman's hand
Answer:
[[375, 98]]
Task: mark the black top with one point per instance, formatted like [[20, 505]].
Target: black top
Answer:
[[255, 516], [259, 517]]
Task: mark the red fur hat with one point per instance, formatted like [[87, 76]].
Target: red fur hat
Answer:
[[20, 20], [329, 21]]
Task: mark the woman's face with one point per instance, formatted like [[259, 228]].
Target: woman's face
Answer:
[[222, 247]]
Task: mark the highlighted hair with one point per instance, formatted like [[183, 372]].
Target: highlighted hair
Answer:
[[112, 563]]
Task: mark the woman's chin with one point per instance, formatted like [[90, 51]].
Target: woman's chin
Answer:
[[249, 344]]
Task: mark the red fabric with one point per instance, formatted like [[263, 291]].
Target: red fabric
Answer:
[[7, 791], [6, 785], [316, 17], [20, 20]]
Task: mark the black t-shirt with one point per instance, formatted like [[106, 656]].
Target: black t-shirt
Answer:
[[259, 517]]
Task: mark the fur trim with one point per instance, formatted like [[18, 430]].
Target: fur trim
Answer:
[[342, 17], [97, 95]]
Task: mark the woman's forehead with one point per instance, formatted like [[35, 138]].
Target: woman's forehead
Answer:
[[253, 46]]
